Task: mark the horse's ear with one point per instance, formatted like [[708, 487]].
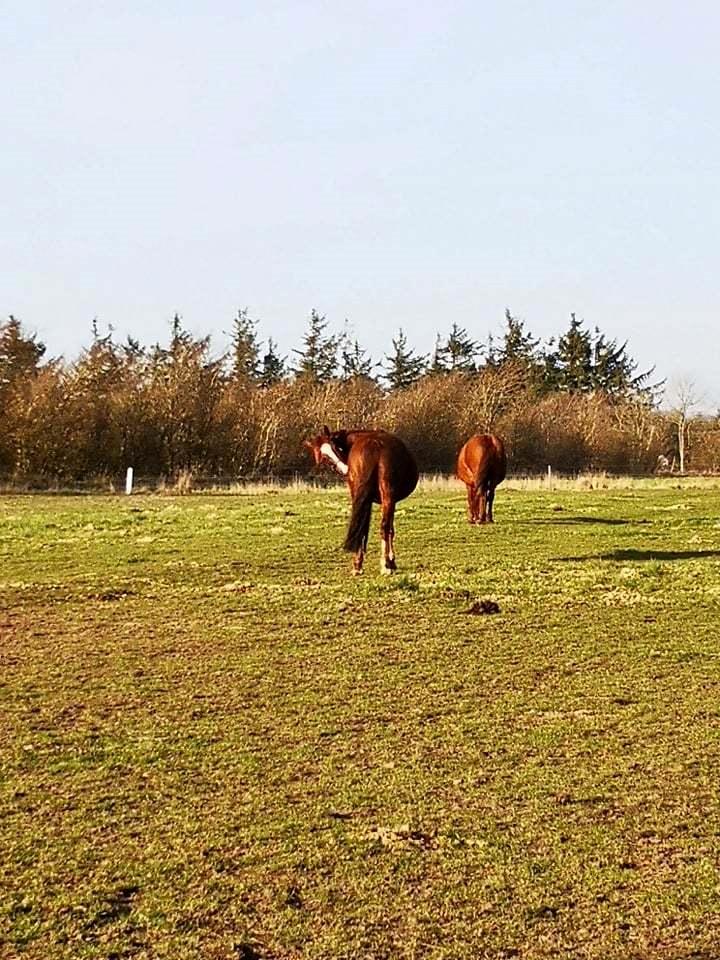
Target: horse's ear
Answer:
[[326, 431]]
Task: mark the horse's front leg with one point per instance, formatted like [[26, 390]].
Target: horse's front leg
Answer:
[[490, 500], [387, 537]]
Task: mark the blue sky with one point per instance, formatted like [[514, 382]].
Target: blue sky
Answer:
[[396, 164]]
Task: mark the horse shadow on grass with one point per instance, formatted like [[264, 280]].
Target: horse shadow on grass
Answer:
[[639, 556], [609, 521]]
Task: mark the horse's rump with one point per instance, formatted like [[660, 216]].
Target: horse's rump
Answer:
[[482, 461], [397, 470]]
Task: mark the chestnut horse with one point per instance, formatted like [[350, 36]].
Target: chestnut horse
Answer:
[[481, 466], [378, 468]]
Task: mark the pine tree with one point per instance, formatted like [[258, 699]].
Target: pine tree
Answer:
[[245, 347], [101, 360], [273, 365], [185, 389], [92, 384], [403, 366], [133, 349], [615, 373], [584, 361], [20, 355], [571, 364], [20, 371], [178, 335], [439, 363], [517, 345], [355, 360], [318, 358], [459, 351]]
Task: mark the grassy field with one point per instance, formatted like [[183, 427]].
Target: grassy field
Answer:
[[216, 743]]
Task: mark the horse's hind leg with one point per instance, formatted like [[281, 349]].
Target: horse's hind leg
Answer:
[[391, 538], [357, 535], [490, 501], [471, 503], [387, 534], [359, 557], [482, 504]]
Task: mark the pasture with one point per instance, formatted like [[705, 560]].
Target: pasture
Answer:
[[216, 743]]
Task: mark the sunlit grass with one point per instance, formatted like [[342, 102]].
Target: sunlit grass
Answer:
[[217, 743]]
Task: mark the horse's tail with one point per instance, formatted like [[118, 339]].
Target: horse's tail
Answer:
[[359, 525], [486, 465]]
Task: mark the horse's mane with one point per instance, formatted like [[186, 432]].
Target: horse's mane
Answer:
[[339, 440]]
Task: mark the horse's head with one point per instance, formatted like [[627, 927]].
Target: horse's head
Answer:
[[329, 448]]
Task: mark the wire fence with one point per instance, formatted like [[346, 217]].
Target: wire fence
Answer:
[[187, 482]]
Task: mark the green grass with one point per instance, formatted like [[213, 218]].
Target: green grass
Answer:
[[216, 743]]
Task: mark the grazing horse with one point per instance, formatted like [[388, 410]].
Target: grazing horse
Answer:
[[378, 468], [481, 466]]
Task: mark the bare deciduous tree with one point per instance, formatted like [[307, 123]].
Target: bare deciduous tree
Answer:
[[684, 398]]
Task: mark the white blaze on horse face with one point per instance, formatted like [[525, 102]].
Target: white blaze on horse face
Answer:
[[327, 450]]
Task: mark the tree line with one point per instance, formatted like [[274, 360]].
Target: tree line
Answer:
[[579, 360], [577, 402]]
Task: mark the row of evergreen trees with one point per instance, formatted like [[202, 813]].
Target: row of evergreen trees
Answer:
[[578, 360], [577, 402]]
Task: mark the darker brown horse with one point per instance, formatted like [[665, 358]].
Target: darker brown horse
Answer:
[[481, 466], [378, 468]]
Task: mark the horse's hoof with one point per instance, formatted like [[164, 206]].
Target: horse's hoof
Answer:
[[387, 570], [356, 571]]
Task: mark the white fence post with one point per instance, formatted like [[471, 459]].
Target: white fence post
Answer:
[[129, 481]]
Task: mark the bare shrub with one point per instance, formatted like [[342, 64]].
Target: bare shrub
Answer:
[[183, 483]]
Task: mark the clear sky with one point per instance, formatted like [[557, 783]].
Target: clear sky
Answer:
[[399, 164]]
